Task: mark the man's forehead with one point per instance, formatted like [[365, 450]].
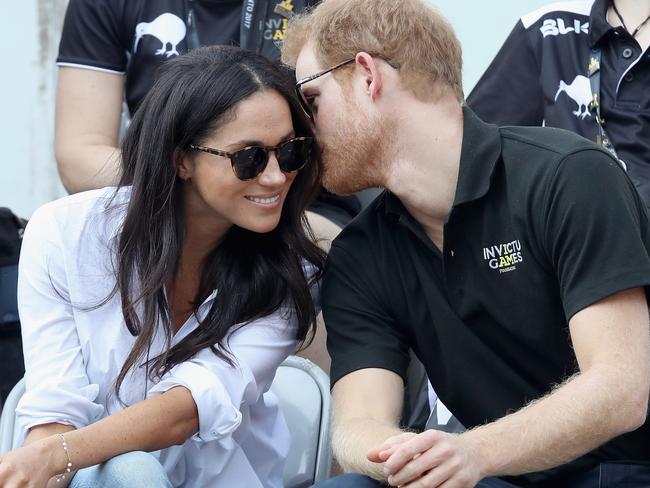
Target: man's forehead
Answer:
[[307, 64]]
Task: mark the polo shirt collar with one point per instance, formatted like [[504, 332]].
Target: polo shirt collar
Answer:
[[480, 150], [598, 25]]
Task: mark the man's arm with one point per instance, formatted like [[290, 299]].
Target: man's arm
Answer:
[[608, 397], [88, 112], [367, 405]]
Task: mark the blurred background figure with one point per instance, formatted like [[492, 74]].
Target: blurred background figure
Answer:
[[582, 66]]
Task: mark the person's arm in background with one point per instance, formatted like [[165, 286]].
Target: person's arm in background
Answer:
[[92, 61], [88, 114], [510, 90]]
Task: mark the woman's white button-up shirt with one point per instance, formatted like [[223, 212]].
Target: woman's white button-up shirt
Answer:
[[75, 349]]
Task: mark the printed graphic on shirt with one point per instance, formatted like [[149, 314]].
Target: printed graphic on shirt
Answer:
[[275, 28], [579, 90], [557, 27], [168, 28], [503, 257]]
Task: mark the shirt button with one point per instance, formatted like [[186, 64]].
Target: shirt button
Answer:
[[627, 53], [451, 253], [629, 77]]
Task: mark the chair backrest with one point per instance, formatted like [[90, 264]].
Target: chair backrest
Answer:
[[8, 418], [303, 391]]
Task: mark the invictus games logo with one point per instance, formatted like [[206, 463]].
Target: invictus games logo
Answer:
[[275, 28], [503, 257]]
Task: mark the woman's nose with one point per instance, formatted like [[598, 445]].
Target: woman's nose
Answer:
[[272, 174]]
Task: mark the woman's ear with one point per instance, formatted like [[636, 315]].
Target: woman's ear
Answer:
[[182, 164]]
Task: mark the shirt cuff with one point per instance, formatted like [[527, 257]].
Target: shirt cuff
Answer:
[[218, 417], [57, 405]]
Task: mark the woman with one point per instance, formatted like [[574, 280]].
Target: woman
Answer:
[[155, 315]]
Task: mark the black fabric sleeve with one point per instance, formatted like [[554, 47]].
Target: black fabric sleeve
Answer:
[[93, 35], [510, 90], [596, 230], [360, 331]]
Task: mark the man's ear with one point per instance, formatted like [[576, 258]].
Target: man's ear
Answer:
[[182, 164], [371, 74]]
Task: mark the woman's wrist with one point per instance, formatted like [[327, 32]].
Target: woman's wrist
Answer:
[[52, 449]]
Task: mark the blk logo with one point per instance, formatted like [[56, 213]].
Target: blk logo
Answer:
[[557, 27]]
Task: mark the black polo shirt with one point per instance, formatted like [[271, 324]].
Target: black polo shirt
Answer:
[[544, 224], [540, 77]]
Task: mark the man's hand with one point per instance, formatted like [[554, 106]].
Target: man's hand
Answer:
[[430, 459]]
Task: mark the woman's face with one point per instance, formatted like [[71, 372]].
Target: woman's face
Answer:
[[215, 198]]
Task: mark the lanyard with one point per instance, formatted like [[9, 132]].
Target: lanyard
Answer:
[[193, 35], [593, 71]]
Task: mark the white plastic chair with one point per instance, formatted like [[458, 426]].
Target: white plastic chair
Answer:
[[303, 391]]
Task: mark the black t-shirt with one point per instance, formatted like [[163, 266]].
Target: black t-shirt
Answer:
[[134, 37], [544, 224], [540, 77]]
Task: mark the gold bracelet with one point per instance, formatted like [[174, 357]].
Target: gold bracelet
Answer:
[[68, 469]]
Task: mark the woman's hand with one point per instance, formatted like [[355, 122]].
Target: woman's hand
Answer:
[[33, 465]]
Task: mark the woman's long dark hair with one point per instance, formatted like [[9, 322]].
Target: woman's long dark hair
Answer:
[[254, 273]]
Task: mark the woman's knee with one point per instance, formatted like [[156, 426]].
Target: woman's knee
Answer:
[[136, 468]]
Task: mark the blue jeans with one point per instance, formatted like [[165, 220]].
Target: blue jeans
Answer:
[[606, 475], [128, 470], [360, 481]]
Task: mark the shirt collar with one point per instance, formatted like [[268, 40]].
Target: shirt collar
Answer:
[[598, 25], [480, 150]]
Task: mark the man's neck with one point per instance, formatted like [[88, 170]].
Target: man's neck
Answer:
[[425, 172], [633, 12]]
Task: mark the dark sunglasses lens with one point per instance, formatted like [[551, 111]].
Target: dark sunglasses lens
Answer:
[[294, 155], [249, 162]]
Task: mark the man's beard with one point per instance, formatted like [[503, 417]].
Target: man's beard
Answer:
[[356, 153]]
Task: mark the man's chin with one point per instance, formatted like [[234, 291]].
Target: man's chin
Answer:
[[342, 186]]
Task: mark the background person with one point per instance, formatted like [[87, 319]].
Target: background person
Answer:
[[541, 76], [154, 315], [487, 254]]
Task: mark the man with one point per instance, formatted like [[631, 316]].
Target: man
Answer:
[[545, 73], [520, 287]]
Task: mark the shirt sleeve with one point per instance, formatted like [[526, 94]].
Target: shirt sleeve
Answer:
[[510, 90], [360, 330], [596, 234], [220, 390], [93, 36], [57, 387]]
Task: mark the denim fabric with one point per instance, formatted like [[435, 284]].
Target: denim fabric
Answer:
[[606, 475], [360, 481], [128, 470]]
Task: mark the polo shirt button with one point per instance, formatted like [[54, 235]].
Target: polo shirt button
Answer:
[[627, 53], [629, 77], [451, 253]]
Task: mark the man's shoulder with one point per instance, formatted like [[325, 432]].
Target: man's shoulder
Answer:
[[536, 158], [541, 145]]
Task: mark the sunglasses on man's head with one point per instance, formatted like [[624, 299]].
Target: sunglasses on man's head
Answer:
[[249, 162]]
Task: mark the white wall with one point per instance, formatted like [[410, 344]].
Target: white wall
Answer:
[[29, 35]]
